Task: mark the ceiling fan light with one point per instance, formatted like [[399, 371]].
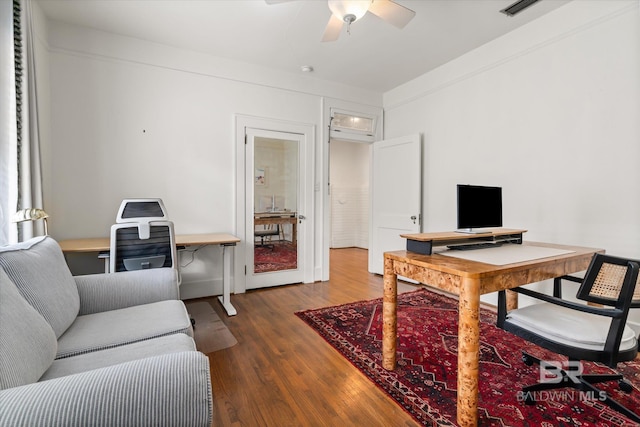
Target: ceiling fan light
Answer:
[[346, 10]]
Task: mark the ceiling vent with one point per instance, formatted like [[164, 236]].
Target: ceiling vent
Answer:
[[518, 7]]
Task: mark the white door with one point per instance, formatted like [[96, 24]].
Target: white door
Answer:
[[396, 196], [275, 226]]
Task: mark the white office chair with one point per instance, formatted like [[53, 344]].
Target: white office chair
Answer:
[[142, 237]]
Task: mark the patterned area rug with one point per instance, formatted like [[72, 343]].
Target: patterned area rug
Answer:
[[424, 383], [278, 256]]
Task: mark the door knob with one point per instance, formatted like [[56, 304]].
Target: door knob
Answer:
[[301, 217], [413, 218]]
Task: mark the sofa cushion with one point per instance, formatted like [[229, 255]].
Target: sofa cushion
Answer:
[[112, 356], [39, 270], [114, 328], [169, 390], [27, 342]]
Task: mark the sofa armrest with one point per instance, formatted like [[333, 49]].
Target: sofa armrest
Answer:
[[167, 390], [111, 291]]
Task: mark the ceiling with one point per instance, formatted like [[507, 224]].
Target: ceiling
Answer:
[[286, 36]]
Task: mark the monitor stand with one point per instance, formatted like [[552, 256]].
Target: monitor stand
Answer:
[[423, 243], [474, 231]]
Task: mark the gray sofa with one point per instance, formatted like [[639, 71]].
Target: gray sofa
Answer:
[[97, 350]]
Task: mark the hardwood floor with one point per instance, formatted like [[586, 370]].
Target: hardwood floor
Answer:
[[282, 373]]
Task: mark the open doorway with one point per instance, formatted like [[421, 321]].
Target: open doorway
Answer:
[[358, 126], [349, 195]]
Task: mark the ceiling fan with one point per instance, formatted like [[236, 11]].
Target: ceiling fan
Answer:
[[349, 11]]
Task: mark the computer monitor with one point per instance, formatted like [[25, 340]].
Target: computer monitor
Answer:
[[479, 207]]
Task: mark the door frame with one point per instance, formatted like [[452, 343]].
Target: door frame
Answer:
[[323, 210], [306, 203]]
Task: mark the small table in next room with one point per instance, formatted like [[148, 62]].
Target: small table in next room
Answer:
[[278, 218]]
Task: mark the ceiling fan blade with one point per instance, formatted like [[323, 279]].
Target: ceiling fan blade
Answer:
[[333, 29], [392, 12]]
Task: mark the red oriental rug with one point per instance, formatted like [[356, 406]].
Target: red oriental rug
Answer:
[[424, 382], [275, 256]]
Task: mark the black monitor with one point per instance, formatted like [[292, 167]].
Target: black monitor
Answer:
[[479, 207]]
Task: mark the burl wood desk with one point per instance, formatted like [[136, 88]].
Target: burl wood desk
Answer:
[[468, 280], [101, 244]]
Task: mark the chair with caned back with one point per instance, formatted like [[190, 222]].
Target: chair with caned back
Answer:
[[596, 331]]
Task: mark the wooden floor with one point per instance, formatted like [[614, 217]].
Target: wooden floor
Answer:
[[282, 373]]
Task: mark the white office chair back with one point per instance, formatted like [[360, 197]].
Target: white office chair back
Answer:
[[141, 210], [133, 251]]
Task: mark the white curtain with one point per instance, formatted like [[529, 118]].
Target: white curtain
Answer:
[[29, 166], [21, 167], [8, 135]]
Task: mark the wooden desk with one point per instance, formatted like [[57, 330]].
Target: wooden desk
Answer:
[[100, 244], [284, 218], [468, 280]]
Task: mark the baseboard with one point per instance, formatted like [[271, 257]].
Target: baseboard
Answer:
[[200, 289]]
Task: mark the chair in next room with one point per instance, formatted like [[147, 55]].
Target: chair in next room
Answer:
[[581, 332], [267, 233]]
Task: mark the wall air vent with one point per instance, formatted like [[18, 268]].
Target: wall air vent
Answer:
[[518, 7]]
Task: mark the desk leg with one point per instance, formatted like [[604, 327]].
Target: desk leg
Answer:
[[468, 352], [105, 255], [389, 316], [225, 299], [512, 300], [294, 232]]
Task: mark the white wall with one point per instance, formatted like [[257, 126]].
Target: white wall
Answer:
[[136, 119], [550, 113], [349, 194]]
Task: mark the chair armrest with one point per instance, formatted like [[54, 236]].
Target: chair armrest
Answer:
[[557, 284], [167, 390], [111, 291], [608, 312], [572, 279]]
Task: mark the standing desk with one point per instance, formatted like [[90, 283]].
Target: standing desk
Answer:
[[468, 279], [102, 244]]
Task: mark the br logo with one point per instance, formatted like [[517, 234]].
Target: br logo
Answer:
[[556, 373]]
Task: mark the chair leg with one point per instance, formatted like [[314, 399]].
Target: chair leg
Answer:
[[584, 384], [604, 398], [595, 379], [263, 245]]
